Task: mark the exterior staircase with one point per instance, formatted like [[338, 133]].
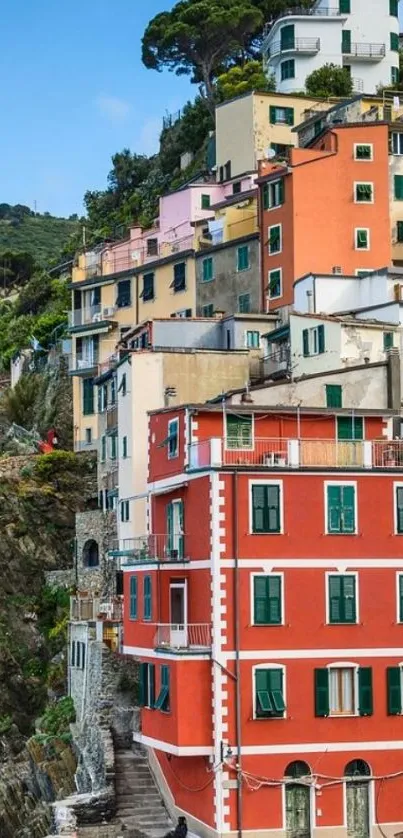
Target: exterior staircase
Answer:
[[140, 809]]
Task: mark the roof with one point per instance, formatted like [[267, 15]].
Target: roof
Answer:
[[270, 95], [235, 199], [339, 318], [342, 277], [217, 406]]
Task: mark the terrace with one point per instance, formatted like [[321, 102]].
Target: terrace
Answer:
[[94, 609], [186, 637], [151, 548]]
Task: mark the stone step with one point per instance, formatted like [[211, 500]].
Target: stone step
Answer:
[[136, 798]]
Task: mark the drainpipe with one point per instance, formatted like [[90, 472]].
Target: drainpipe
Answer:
[[137, 299], [237, 610]]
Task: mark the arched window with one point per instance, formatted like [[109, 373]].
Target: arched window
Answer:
[[90, 553], [297, 769], [357, 768]]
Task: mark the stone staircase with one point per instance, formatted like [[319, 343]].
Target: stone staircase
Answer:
[[140, 809]]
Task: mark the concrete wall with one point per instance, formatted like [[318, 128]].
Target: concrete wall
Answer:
[[311, 364], [396, 207], [332, 294], [235, 135], [228, 283], [182, 333]]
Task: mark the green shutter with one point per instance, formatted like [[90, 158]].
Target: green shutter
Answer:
[[335, 599], [163, 700], [399, 509], [334, 509], [265, 193], [267, 600], [305, 342], [401, 598], [365, 705], [333, 395], [287, 37], [273, 509], [344, 7], [133, 597], [281, 191], [289, 116], [147, 596], [349, 599], [207, 269], [151, 685], [321, 338], [394, 690], [180, 536], [275, 689], [394, 8], [103, 449], [274, 599], [243, 258], [346, 41], [348, 508], [398, 187], [273, 114], [400, 231], [394, 42], [258, 507], [125, 446], [239, 431], [170, 527], [143, 685], [88, 396], [321, 692], [349, 430]]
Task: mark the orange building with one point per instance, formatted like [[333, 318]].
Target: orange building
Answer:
[[325, 210], [266, 608]]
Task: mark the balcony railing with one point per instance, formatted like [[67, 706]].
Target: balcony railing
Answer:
[[112, 477], [90, 315], [309, 46], [83, 362], [151, 548], [298, 453], [365, 52], [277, 362], [89, 608], [300, 11], [111, 417], [190, 637], [83, 445]]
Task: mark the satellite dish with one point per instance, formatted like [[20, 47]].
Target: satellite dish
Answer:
[[270, 153]]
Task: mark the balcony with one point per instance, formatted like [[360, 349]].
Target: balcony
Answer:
[[83, 445], [302, 46], [92, 609], [364, 52], [151, 548], [112, 476], [90, 316], [298, 453], [82, 362], [190, 637], [300, 11], [277, 364]]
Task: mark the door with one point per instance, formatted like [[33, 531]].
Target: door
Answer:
[[298, 811], [287, 37], [175, 530], [357, 794], [178, 614]]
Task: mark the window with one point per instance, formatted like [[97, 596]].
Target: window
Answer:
[[114, 446], [349, 429], [103, 449], [267, 600], [88, 436], [123, 385], [147, 598], [341, 597], [395, 75], [265, 508], [281, 149], [394, 8], [340, 508], [346, 41], [273, 194], [174, 513], [363, 152], [242, 258], [398, 183], [147, 685], [239, 431], [275, 283], [253, 340], [152, 247], [344, 7], [179, 281], [399, 232], [287, 69], [361, 239], [237, 187], [269, 693], [397, 143], [388, 338], [287, 37], [125, 511], [343, 690], [364, 193], [394, 690], [244, 303], [208, 310], [124, 294], [274, 239], [124, 447], [282, 116], [88, 396], [227, 170], [399, 515], [133, 597], [173, 438], [313, 341], [163, 702], [205, 202], [148, 293], [394, 42], [113, 391], [208, 269], [334, 395]]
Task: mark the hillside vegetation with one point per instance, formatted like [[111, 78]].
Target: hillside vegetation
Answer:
[[41, 236]]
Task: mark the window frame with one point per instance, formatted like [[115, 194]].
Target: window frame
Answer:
[[210, 307], [353, 484], [397, 484], [358, 183], [147, 615], [312, 332], [397, 138], [244, 447], [399, 612], [244, 295], [244, 247], [364, 159], [268, 666], [365, 230], [353, 573], [210, 260], [255, 574], [125, 511], [287, 64], [266, 482], [150, 296], [280, 249], [270, 294], [172, 455], [133, 614], [183, 279], [252, 332], [354, 667], [275, 194]]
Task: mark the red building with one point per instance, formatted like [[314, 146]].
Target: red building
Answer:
[[266, 607]]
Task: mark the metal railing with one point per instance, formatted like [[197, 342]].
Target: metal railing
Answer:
[[111, 417], [187, 636], [301, 11], [372, 51], [297, 453], [151, 548], [82, 445], [83, 362], [307, 45], [277, 361], [89, 608], [85, 316]]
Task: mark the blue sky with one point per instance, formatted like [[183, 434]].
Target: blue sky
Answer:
[[73, 92]]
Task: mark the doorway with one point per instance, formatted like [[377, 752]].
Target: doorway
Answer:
[[357, 799], [298, 800], [178, 614]]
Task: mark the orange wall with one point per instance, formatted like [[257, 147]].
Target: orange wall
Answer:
[[196, 500], [191, 782]]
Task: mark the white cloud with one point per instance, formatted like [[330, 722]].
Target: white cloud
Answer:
[[113, 108]]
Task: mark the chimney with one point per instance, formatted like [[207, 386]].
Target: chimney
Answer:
[[309, 298]]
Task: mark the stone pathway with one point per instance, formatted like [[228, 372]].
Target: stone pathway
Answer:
[[139, 805]]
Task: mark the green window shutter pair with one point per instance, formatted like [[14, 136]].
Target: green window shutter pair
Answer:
[[163, 700], [349, 429], [243, 258], [365, 701], [207, 269], [267, 600], [133, 597], [273, 114], [399, 521], [266, 509], [147, 595], [363, 152], [398, 187], [362, 239], [364, 192], [388, 340], [275, 239], [239, 431], [333, 395], [88, 396], [342, 599], [205, 202], [394, 42], [275, 283], [394, 690], [341, 509], [147, 685], [287, 37], [269, 690]]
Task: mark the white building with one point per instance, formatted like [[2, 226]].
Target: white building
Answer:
[[360, 35]]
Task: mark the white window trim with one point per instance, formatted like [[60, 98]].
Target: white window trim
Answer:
[[357, 597], [312, 330], [341, 483], [398, 620], [174, 421], [359, 271], [346, 665], [252, 589], [225, 433], [364, 183], [274, 184], [396, 153], [360, 160], [266, 482], [363, 230], [203, 261], [269, 665], [396, 485], [276, 296], [253, 331], [269, 229]]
